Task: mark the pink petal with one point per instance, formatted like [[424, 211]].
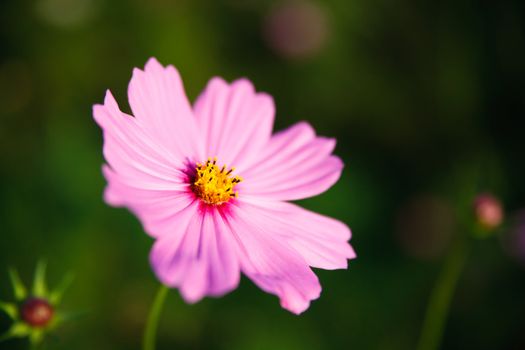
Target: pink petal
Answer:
[[157, 98], [198, 256], [294, 165], [320, 240], [155, 207], [273, 264], [143, 176], [131, 151], [236, 121]]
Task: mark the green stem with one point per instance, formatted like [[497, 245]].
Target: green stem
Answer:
[[441, 297], [150, 333]]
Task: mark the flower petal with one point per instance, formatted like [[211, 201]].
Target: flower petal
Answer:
[[273, 264], [130, 150], [295, 165], [320, 240], [154, 204], [158, 101], [143, 175], [236, 121], [199, 256]]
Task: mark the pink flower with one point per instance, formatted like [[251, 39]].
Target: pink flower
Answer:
[[211, 221]]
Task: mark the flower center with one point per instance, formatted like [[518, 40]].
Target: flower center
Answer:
[[213, 184]]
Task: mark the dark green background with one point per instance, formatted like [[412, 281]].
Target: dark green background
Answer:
[[426, 99]]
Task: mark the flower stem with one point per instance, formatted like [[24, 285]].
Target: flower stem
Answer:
[[150, 333], [441, 297]]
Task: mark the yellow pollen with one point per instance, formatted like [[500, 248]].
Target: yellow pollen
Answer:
[[213, 184]]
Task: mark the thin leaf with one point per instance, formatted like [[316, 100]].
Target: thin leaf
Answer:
[[18, 287], [10, 309], [39, 283], [56, 295], [17, 330]]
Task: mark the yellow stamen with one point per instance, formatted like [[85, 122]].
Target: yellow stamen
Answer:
[[214, 184]]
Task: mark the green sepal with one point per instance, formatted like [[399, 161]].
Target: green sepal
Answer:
[[61, 317], [58, 319], [17, 330], [56, 295], [18, 287], [39, 282], [10, 309], [36, 336]]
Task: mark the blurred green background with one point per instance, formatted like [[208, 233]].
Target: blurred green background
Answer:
[[426, 99]]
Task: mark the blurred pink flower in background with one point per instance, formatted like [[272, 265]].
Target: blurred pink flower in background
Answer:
[[66, 13], [296, 29], [425, 226], [170, 165], [16, 87], [513, 239]]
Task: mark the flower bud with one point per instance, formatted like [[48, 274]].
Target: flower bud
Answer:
[[488, 211], [37, 312], [34, 312]]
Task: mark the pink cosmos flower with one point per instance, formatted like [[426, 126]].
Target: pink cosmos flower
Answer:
[[170, 165]]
